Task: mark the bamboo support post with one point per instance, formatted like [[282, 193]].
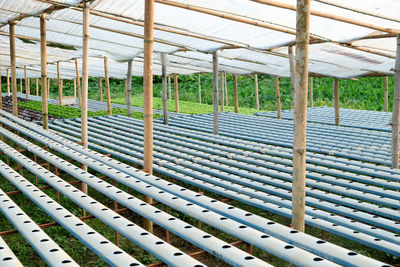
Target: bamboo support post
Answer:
[[37, 87], [85, 80], [8, 82], [148, 96], [125, 91], [20, 86], [300, 114], [176, 95], [26, 83], [29, 86], [236, 93], [78, 81], [100, 89], [164, 87], [277, 97], [74, 84], [215, 92], [169, 87], [13, 69], [311, 91], [396, 109], [226, 91], [291, 66], [107, 80], [222, 90], [129, 89], [256, 92], [199, 85], [43, 66], [386, 94], [60, 93], [336, 100]]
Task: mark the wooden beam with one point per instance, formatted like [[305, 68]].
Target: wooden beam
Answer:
[[311, 91], [300, 114], [336, 100], [37, 86], [148, 96], [100, 89], [8, 82], [13, 69], [20, 85], [164, 87], [277, 97], [396, 109], [74, 82], [78, 80], [256, 92], [386, 94], [129, 89], [291, 66], [226, 91], [60, 93], [215, 92], [236, 93], [43, 67], [176, 95], [108, 91], [199, 86]]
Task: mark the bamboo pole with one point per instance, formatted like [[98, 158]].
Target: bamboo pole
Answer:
[[199, 85], [125, 91], [129, 89], [48, 87], [60, 93], [100, 89], [222, 90], [291, 66], [226, 91], [13, 68], [74, 82], [108, 93], [148, 96], [277, 97], [300, 114], [215, 92], [8, 82], [256, 92], [20, 85], [396, 109], [37, 86], [311, 91], [386, 94], [176, 93], [85, 80], [26, 83], [169, 87], [236, 93], [43, 66], [78, 81], [336, 100], [164, 87]]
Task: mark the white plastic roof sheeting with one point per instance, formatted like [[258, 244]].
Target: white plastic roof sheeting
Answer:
[[188, 36]]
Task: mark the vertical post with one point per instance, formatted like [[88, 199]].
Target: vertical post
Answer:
[[74, 82], [85, 79], [215, 92], [226, 91], [169, 87], [256, 93], [291, 66], [148, 96], [386, 95], [78, 80], [108, 93], [8, 82], [300, 114], [277, 97], [26, 83], [37, 86], [222, 91], [164, 87], [129, 89], [336, 100], [311, 92], [126, 93], [100, 89], [43, 66], [176, 93], [59, 84], [13, 68], [29, 86], [236, 93], [20, 85], [396, 109], [199, 85]]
